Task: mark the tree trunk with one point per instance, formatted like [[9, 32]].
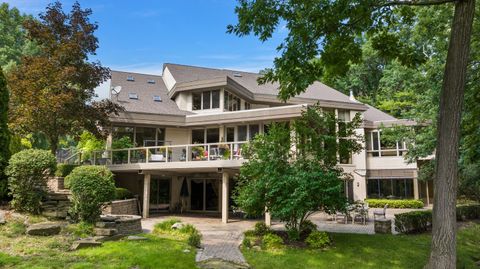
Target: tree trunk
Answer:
[[53, 144], [443, 252]]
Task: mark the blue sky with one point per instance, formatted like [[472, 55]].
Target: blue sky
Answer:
[[141, 35]]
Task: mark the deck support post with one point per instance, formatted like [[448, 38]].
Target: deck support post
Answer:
[[225, 196], [146, 196]]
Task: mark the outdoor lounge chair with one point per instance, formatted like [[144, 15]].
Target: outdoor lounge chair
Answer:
[[381, 213]]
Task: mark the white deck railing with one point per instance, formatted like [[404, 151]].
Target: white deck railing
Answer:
[[170, 153]]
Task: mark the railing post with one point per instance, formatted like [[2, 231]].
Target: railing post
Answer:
[[166, 154], [146, 154], [128, 156], [208, 152], [186, 153], [231, 151]]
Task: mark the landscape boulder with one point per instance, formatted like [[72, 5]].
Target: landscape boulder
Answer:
[[85, 243], [2, 218], [177, 225], [44, 229]]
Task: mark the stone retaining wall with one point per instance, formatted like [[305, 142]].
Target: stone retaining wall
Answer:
[[122, 207], [122, 224]]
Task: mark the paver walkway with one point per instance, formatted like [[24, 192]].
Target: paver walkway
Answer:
[[220, 242]]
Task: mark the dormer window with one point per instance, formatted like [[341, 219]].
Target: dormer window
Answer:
[[151, 81], [133, 96], [157, 98], [130, 78]]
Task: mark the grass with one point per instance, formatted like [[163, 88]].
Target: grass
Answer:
[[20, 251], [367, 251]]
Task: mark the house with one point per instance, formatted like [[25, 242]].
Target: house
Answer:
[[185, 130]]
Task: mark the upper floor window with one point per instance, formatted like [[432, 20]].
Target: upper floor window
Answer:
[[231, 101], [247, 106], [206, 100], [343, 115], [130, 78], [379, 145]]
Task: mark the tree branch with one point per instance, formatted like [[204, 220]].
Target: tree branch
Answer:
[[417, 3]]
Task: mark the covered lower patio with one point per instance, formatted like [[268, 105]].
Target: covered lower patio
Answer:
[[199, 192]]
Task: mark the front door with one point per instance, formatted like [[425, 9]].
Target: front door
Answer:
[[159, 195]]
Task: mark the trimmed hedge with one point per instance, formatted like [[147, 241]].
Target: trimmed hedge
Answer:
[[468, 212], [122, 194], [421, 221], [413, 222], [64, 169], [395, 203]]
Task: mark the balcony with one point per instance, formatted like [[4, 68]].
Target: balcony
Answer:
[[201, 156]]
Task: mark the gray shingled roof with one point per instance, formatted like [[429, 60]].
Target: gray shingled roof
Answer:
[[145, 92], [374, 114], [317, 91]]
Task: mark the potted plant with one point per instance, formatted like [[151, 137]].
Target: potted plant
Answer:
[[198, 152]]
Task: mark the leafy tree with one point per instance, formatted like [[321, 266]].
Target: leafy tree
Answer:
[[13, 41], [293, 184], [28, 171], [4, 135], [52, 91], [89, 143], [323, 38], [91, 187]]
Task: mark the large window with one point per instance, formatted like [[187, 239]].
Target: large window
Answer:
[[231, 101], [390, 188], [141, 136], [206, 100], [378, 145], [241, 132], [202, 136]]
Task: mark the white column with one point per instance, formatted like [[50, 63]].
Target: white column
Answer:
[[415, 187], [268, 218], [146, 195], [225, 196]]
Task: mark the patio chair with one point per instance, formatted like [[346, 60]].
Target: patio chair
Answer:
[[381, 213], [343, 215], [361, 213]]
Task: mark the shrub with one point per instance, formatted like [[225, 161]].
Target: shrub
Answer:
[[317, 239], [246, 243], [28, 171], [194, 239], [413, 222], [261, 229], [64, 169], [165, 225], [395, 203], [122, 194], [293, 234], [188, 231], [307, 227], [468, 212], [272, 241], [91, 187]]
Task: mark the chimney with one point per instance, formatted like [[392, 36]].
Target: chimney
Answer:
[[352, 97]]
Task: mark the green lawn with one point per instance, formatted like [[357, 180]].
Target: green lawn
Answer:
[[367, 251], [18, 250], [154, 253]]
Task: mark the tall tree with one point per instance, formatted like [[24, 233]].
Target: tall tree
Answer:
[[323, 38], [4, 135], [52, 91], [13, 41]]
